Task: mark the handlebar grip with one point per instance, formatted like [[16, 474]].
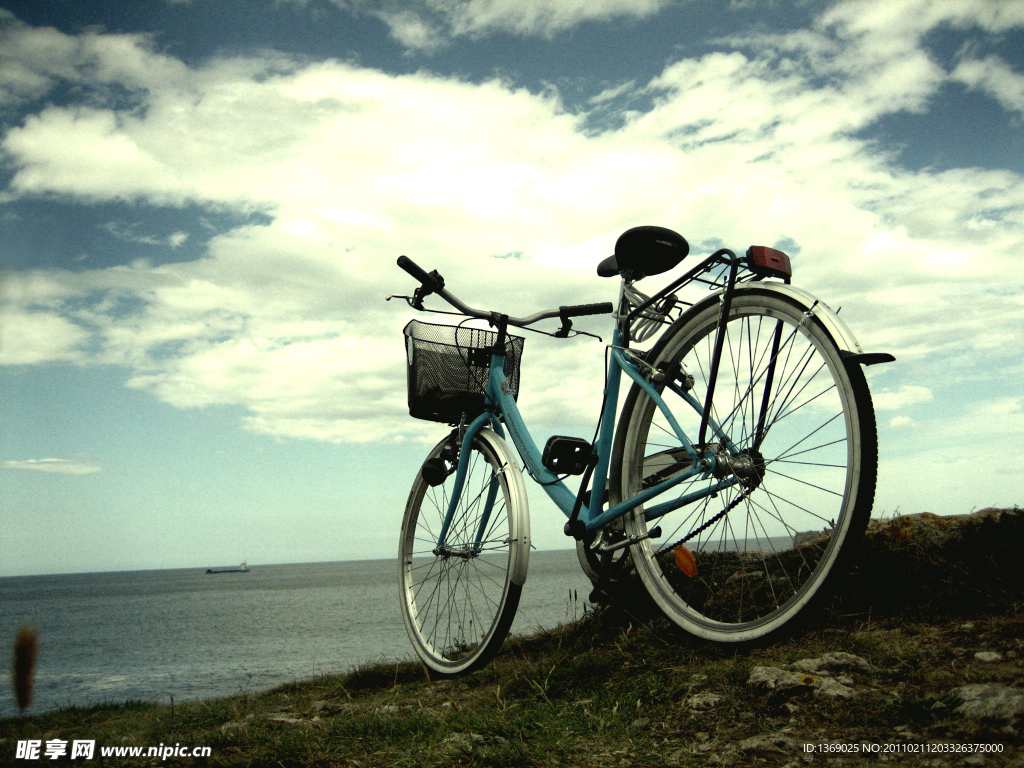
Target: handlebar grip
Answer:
[[418, 272], [579, 310]]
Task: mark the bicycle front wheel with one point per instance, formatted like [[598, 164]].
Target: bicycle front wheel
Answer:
[[795, 435], [459, 598]]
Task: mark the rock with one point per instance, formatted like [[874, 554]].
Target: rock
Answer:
[[794, 681], [988, 700], [833, 689], [834, 660], [283, 718], [703, 701], [767, 676], [988, 657], [773, 677], [770, 742]]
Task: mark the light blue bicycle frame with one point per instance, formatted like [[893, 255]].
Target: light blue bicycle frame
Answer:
[[591, 515]]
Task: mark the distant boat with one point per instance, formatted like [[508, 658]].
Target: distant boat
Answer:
[[243, 568]]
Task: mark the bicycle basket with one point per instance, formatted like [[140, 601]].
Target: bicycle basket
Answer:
[[448, 367]]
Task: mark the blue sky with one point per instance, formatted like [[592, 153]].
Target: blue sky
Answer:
[[201, 203]]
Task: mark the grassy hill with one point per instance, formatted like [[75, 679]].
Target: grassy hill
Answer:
[[918, 661]]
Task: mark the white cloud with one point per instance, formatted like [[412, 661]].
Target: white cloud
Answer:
[[540, 17], [130, 234], [33, 60], [911, 18], [29, 337], [995, 77], [55, 466], [412, 31], [351, 167], [906, 395], [427, 25]]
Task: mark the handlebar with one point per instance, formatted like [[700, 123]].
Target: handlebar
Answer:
[[429, 281], [579, 310], [432, 282]]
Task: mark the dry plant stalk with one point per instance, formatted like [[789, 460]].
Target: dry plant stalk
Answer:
[[24, 665]]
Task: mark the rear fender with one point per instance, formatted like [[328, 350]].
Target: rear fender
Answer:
[[822, 312]]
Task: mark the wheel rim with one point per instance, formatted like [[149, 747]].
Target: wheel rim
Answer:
[[454, 601], [760, 562]]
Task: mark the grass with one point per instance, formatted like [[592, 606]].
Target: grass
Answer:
[[613, 689]]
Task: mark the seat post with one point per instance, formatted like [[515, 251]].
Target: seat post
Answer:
[[622, 313]]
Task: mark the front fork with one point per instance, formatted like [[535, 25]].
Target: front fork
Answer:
[[462, 437]]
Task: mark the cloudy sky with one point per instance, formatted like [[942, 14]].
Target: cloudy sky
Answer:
[[202, 201]]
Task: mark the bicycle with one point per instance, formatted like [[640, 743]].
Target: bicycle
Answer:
[[732, 534]]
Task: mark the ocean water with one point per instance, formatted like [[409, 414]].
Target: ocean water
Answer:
[[154, 635]]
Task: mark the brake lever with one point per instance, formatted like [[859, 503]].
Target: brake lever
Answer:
[[564, 333], [408, 300]]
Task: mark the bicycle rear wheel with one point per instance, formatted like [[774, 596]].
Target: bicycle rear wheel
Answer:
[[459, 600], [740, 565]]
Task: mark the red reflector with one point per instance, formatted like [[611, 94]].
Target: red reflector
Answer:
[[768, 261], [685, 560]]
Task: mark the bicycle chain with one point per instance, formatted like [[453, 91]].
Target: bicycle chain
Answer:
[[732, 505]]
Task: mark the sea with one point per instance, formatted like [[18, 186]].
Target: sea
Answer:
[[182, 634]]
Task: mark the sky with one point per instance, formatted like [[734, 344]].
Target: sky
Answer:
[[202, 202]]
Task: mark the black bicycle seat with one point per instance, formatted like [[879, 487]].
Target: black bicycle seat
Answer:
[[644, 251]]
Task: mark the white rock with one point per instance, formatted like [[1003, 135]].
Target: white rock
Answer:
[[280, 718], [989, 700], [773, 677], [702, 701], [769, 742], [833, 689], [833, 660], [988, 657], [768, 676]]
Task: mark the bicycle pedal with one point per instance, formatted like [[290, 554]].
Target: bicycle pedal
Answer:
[[567, 455]]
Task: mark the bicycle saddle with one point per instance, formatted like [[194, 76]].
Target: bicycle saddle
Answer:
[[644, 251]]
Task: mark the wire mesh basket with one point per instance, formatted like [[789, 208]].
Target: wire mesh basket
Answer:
[[448, 367]]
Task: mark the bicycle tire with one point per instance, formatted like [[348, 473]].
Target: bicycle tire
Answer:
[[458, 605], [778, 550]]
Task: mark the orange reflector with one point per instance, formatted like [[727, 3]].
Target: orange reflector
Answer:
[[685, 560]]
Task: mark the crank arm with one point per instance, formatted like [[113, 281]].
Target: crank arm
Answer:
[[605, 549]]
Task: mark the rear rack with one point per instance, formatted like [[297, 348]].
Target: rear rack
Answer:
[[719, 271]]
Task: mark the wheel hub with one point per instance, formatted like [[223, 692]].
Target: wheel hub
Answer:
[[445, 551], [748, 465]]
